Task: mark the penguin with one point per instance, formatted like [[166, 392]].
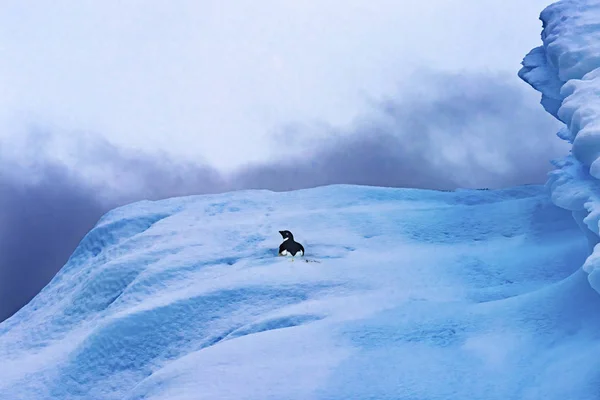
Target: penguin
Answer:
[[289, 247]]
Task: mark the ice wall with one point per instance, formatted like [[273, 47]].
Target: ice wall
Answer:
[[566, 70]]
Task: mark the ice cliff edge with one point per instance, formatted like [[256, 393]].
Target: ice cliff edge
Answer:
[[566, 70]]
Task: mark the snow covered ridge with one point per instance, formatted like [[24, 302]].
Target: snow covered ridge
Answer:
[[186, 299], [566, 70]]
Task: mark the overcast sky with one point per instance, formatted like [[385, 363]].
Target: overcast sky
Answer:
[[104, 103], [211, 80]]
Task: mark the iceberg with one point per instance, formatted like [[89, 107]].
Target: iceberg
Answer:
[[415, 293], [566, 69]]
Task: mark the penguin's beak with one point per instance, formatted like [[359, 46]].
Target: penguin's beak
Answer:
[[281, 233]]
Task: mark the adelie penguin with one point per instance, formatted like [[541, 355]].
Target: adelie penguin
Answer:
[[289, 247]]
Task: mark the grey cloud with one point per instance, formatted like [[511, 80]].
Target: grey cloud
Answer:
[[39, 226], [500, 138]]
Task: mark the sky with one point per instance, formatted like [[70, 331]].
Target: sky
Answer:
[[105, 103], [211, 80]]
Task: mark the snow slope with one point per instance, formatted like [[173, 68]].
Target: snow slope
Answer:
[[566, 70], [415, 295]]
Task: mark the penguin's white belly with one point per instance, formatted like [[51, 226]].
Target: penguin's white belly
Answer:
[[300, 253]]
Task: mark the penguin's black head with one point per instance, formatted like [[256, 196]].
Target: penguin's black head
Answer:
[[286, 235]]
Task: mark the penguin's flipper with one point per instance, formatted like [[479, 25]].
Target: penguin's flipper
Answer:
[[281, 250]]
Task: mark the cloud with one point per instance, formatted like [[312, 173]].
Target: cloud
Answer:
[[451, 131], [39, 225], [444, 132], [189, 66]]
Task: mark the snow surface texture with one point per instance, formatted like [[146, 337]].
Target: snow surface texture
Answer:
[[566, 70], [416, 295]]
